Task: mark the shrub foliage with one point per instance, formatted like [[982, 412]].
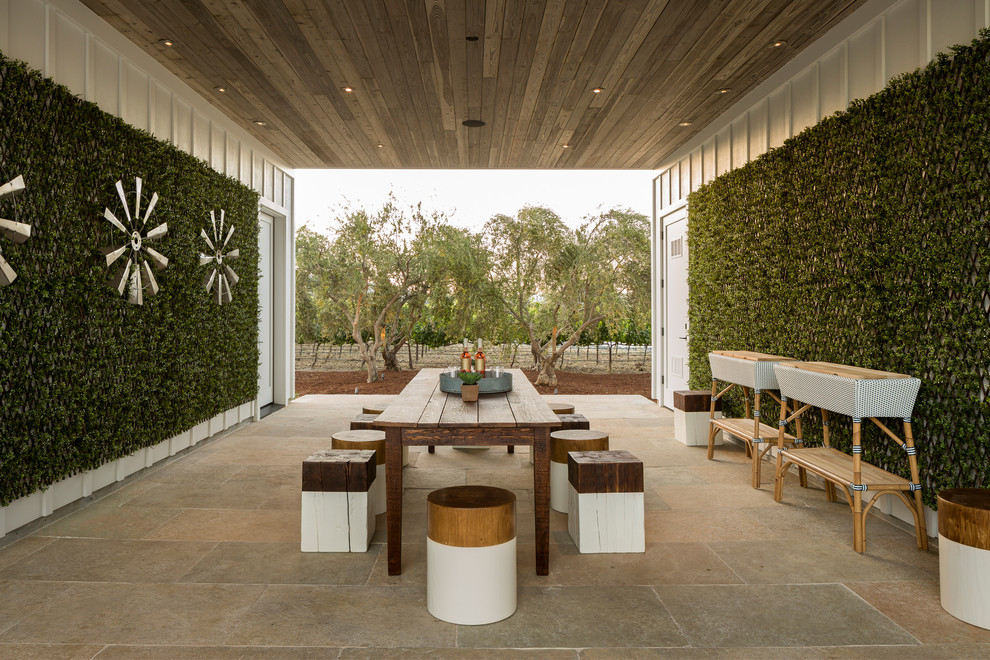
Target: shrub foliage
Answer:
[[865, 241], [86, 376]]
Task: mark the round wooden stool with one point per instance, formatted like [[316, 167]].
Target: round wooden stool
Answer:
[[562, 408], [367, 421], [367, 439], [372, 410], [471, 554], [562, 442], [964, 554]]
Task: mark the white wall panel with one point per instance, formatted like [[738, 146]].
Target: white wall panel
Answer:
[[4, 34], [903, 43], [182, 125], [161, 104], [804, 99], [952, 22], [134, 96], [707, 162], [757, 128], [779, 109], [865, 68], [233, 157], [200, 135], [723, 151], [696, 165], [685, 184], [675, 181], [218, 150], [66, 41], [105, 77], [28, 43], [832, 84], [740, 141], [247, 158]]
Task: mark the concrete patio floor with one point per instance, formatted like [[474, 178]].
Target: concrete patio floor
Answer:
[[199, 558]]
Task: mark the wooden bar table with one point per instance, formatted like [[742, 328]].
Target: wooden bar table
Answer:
[[424, 415]]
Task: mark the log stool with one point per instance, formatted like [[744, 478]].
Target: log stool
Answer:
[[569, 421], [605, 507], [471, 554], [692, 413], [336, 511], [366, 421], [562, 408], [562, 442], [372, 410], [365, 439], [964, 554]]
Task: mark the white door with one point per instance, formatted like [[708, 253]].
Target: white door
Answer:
[[675, 305], [266, 344]]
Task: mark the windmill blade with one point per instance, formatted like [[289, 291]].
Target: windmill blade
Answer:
[[205, 259], [152, 282], [18, 232], [206, 237], [123, 202], [208, 280], [219, 290], [160, 259], [151, 207], [120, 282], [116, 254], [137, 198], [227, 240], [136, 295], [233, 254], [12, 188], [7, 274], [224, 290], [213, 221], [157, 232], [108, 214], [231, 275]]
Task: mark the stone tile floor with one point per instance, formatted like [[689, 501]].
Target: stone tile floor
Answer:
[[199, 558]]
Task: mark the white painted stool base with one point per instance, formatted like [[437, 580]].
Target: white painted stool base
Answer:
[[559, 485], [964, 581], [691, 428], [606, 522], [336, 522], [405, 456], [376, 494], [471, 586]]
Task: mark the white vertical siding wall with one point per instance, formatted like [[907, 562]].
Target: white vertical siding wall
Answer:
[[70, 44], [881, 40]]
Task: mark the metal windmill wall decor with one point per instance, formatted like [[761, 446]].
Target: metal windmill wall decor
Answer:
[[136, 276], [221, 276], [14, 231]]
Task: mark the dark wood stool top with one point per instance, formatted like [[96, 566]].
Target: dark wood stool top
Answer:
[[615, 471], [471, 516], [363, 421], [575, 421], [339, 471], [695, 401], [964, 516]]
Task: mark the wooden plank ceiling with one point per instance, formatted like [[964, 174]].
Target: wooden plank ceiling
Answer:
[[419, 68]]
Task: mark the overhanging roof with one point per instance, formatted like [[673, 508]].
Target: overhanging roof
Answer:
[[417, 73]]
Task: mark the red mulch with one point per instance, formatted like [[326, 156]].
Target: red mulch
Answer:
[[345, 382]]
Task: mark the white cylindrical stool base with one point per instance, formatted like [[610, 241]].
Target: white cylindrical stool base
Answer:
[[964, 581], [376, 494], [559, 487], [471, 586]]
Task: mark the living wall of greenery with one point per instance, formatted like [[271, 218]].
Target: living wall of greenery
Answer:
[[865, 240], [85, 376]]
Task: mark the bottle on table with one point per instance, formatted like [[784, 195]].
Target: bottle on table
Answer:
[[466, 357], [479, 359]]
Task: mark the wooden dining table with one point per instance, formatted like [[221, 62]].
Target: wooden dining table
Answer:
[[423, 415]]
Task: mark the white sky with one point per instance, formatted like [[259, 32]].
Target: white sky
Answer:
[[470, 197]]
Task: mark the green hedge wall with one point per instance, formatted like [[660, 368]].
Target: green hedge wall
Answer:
[[86, 376], [865, 241]]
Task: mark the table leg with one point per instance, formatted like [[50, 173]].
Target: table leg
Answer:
[[393, 498], [541, 495]]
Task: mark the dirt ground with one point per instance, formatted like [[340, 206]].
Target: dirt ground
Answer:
[[349, 382]]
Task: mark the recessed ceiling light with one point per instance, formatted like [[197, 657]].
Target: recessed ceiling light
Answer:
[[222, 90], [167, 42], [565, 146], [473, 123], [471, 37], [348, 89], [725, 90], [258, 122], [778, 44], [685, 123], [380, 145], [597, 90]]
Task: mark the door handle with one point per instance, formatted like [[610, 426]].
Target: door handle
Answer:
[[682, 337]]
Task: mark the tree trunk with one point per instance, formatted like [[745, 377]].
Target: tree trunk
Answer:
[[409, 350], [391, 358], [547, 375], [316, 351]]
